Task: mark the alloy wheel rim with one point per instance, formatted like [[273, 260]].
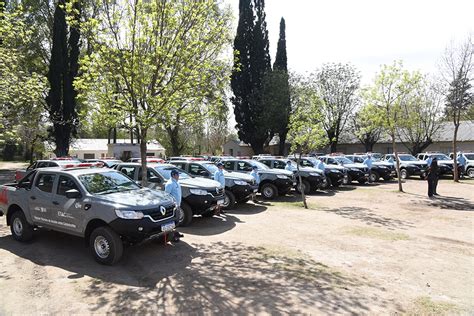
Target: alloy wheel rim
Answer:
[[268, 192]]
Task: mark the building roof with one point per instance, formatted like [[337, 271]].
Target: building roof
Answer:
[[444, 134], [100, 144]]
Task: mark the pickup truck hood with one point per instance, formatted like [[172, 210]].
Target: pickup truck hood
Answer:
[[276, 171], [446, 162], [417, 163], [355, 165], [238, 176], [340, 168], [383, 163], [199, 183], [143, 198], [309, 169]]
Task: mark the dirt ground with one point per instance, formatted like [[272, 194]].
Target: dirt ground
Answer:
[[358, 250]]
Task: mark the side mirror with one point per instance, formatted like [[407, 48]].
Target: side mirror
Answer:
[[154, 180], [73, 194]]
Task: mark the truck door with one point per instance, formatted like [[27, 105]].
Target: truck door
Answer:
[[155, 181], [41, 199], [69, 213]]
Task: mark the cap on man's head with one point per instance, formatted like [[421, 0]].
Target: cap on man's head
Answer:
[[220, 164], [254, 167], [288, 161], [174, 172]]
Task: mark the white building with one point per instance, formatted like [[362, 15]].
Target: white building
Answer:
[[94, 148]]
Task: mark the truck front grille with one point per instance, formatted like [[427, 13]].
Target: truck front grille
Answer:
[[157, 213], [216, 191]]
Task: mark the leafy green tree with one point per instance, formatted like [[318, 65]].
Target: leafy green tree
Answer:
[[21, 90], [457, 70], [364, 125], [391, 92], [426, 113], [63, 69], [151, 58], [251, 65], [278, 92], [306, 129], [337, 84]]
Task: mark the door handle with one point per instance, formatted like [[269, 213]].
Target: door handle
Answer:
[[33, 197], [55, 203]]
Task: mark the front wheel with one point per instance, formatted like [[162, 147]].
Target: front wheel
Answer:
[[374, 177], [187, 214], [20, 228], [229, 200], [403, 174], [106, 245], [269, 191], [303, 186], [470, 172]]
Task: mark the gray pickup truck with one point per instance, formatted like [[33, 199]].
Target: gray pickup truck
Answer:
[[101, 205]]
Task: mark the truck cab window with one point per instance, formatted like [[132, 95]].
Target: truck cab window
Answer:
[[45, 182], [65, 184]]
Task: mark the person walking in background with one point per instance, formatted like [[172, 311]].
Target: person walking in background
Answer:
[[219, 177], [461, 164], [432, 178], [256, 176], [368, 162]]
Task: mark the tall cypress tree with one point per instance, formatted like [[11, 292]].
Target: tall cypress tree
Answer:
[[282, 96], [252, 63], [63, 68]]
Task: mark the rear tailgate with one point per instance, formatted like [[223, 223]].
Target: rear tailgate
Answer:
[[5, 191]]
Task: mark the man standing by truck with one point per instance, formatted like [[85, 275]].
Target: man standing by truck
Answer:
[[219, 177], [288, 166], [255, 175], [368, 161], [173, 187]]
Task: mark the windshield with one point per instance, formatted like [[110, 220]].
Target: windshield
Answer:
[[407, 158], [166, 172], [343, 160], [314, 161], [259, 165], [440, 157], [211, 167], [107, 182], [469, 156]]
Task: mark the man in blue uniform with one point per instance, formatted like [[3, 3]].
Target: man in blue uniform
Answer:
[[320, 165], [462, 163], [256, 176], [219, 177], [288, 166], [173, 187], [368, 161]]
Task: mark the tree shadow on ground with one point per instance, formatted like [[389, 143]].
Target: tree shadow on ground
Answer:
[[141, 265], [231, 278], [370, 218], [448, 203], [249, 208], [207, 226]]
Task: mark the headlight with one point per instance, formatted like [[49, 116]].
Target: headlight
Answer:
[[240, 182], [314, 174], [129, 214], [355, 169], [280, 176], [198, 191]]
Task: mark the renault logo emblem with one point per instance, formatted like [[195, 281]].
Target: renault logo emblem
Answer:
[[162, 210]]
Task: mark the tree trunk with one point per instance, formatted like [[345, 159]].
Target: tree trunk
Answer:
[[333, 146], [143, 155], [303, 195], [455, 147], [257, 147], [282, 145], [395, 152]]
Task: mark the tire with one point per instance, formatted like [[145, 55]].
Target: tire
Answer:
[[374, 177], [20, 228], [106, 245], [470, 172], [229, 200], [327, 185], [306, 187], [403, 174], [269, 191], [188, 214]]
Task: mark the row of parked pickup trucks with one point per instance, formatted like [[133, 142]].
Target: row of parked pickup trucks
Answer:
[[109, 206]]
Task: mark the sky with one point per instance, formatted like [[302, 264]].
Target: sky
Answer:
[[367, 33]]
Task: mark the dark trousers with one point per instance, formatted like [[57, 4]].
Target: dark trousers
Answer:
[[432, 184]]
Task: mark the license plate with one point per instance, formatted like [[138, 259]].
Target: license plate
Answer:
[[255, 190], [168, 227], [220, 202]]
